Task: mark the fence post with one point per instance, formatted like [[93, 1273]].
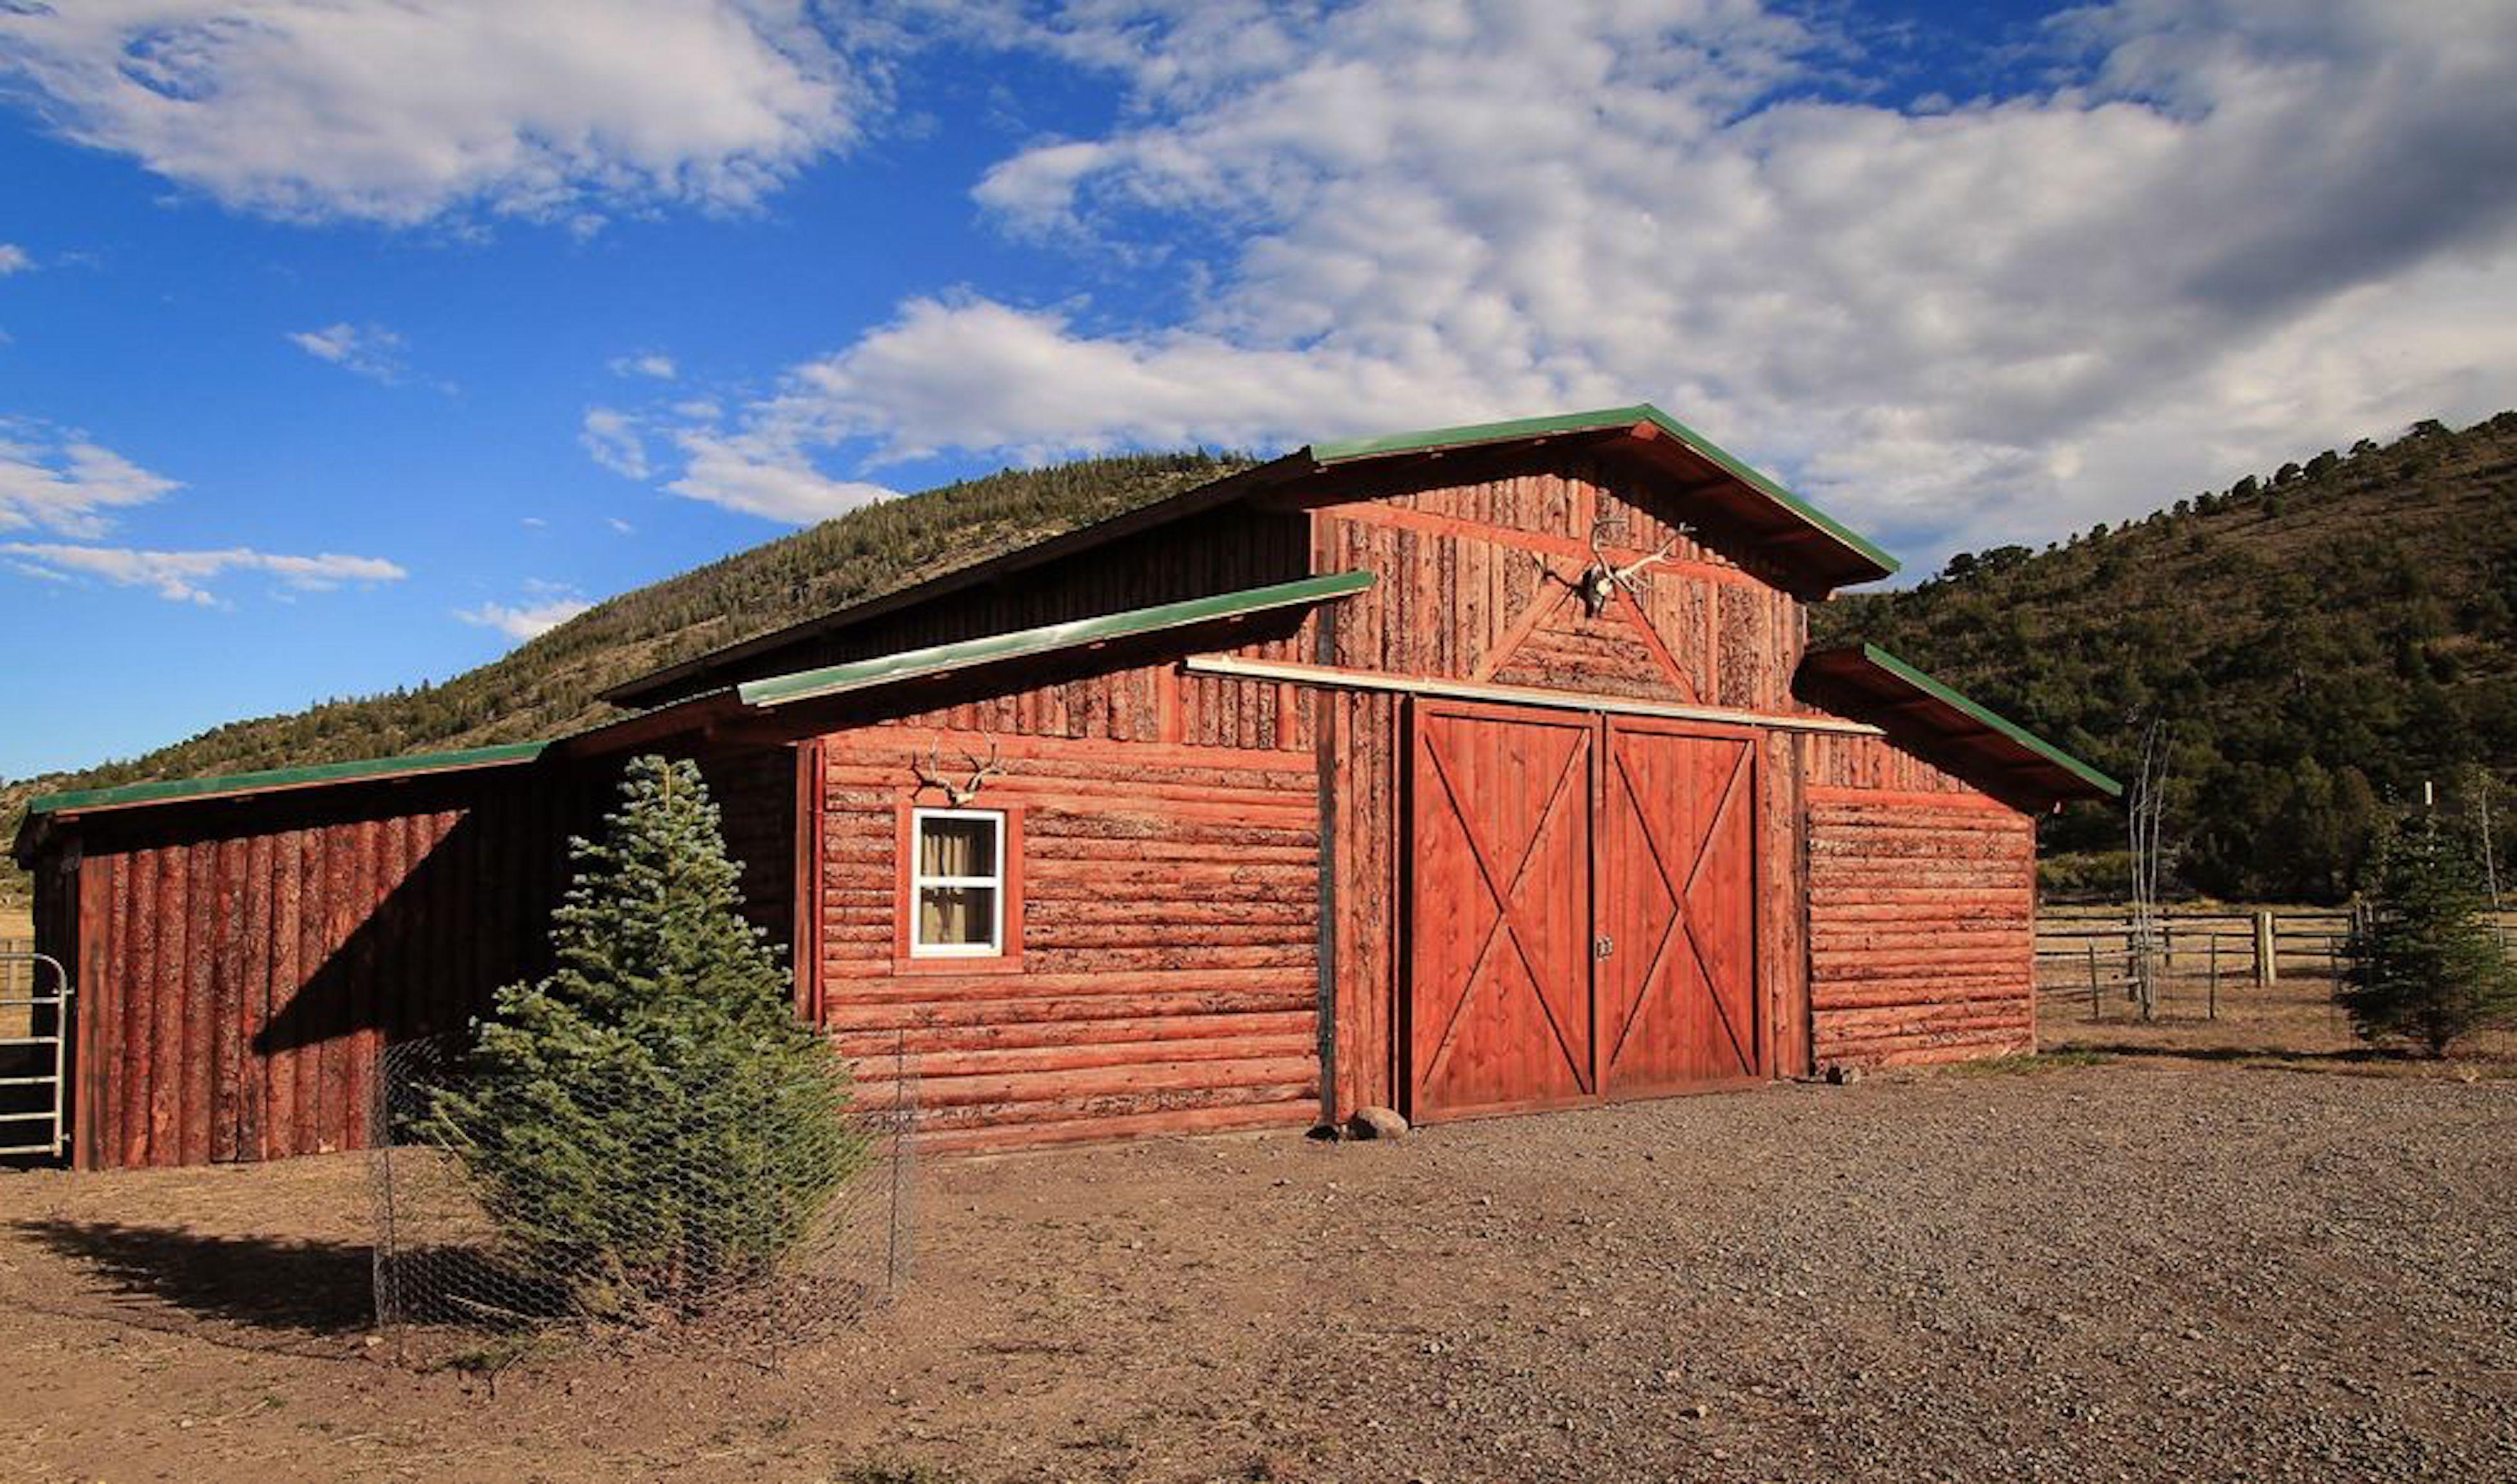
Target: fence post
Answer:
[[2093, 980], [2267, 972], [2212, 1009]]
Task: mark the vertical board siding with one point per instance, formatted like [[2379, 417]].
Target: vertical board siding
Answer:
[[1167, 972], [1474, 585], [246, 962], [1221, 551], [1922, 908]]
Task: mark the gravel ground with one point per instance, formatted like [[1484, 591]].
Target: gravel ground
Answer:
[[2137, 1270]]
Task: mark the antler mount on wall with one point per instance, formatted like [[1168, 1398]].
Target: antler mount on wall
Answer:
[[930, 775]]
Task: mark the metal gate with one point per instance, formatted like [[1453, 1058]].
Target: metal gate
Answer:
[[34, 1056]]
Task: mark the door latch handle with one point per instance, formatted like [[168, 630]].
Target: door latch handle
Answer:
[[1603, 946]]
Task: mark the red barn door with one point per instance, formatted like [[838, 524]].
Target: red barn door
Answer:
[[1500, 1009], [1677, 880], [1581, 909]]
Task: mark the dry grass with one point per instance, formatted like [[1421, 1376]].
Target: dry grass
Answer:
[[2294, 1024]]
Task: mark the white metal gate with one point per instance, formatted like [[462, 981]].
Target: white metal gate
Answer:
[[34, 1056]]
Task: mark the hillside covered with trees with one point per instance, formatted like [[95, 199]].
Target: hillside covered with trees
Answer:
[[2317, 642]]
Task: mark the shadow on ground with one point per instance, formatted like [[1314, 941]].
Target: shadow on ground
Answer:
[[323, 1288]]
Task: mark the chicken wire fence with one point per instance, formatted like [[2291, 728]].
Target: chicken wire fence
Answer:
[[739, 1213]]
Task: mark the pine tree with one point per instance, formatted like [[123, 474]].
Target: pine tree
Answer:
[[651, 1122], [2424, 965]]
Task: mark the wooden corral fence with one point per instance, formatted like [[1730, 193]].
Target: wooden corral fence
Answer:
[[2092, 954]]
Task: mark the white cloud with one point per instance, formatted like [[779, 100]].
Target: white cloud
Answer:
[[649, 364], [14, 259], [620, 527], [370, 350], [611, 438], [183, 577], [59, 481], [526, 619], [2218, 233], [764, 471], [312, 110]]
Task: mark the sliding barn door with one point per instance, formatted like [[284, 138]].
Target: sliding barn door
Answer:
[[1677, 980], [1582, 908], [1498, 1014]]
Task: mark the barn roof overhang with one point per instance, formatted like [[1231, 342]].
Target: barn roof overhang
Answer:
[[46, 812], [753, 705], [1948, 727], [1821, 552]]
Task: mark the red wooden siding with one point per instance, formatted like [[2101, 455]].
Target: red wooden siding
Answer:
[[1168, 973], [1922, 900], [1474, 587], [242, 964]]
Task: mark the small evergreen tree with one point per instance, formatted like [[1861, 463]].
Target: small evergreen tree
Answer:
[[2424, 965], [652, 1120]]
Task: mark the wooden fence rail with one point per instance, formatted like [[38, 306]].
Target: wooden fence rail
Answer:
[[2090, 954]]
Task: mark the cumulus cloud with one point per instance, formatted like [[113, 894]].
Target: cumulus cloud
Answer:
[[765, 471], [527, 617], [2209, 235], [566, 110], [14, 259], [183, 577], [59, 481], [370, 350]]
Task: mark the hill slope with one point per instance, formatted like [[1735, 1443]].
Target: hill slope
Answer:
[[548, 685], [2318, 643]]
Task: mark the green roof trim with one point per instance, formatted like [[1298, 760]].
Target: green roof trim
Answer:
[[1992, 719], [943, 658], [267, 779], [1611, 417]]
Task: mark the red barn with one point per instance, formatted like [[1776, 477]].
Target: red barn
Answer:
[[1466, 771]]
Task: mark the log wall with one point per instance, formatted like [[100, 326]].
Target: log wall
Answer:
[[241, 963], [1922, 899], [1168, 974]]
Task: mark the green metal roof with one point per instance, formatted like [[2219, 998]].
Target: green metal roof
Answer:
[[1611, 417], [1986, 716], [78, 799], [911, 664], [778, 690]]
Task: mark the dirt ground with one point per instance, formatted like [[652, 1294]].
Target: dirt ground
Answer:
[[2163, 1266]]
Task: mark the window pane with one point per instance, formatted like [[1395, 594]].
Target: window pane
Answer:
[[957, 915], [956, 847]]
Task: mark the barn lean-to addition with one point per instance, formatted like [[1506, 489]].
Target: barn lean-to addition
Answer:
[[1469, 772]]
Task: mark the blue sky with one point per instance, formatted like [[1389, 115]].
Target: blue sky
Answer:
[[344, 347]]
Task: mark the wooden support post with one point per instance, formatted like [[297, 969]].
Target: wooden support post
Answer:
[[2211, 1006], [2093, 980], [2267, 972]]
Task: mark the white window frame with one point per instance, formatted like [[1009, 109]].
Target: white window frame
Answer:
[[919, 881]]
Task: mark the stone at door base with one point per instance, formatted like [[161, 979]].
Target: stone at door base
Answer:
[[1842, 1076], [1375, 1123]]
